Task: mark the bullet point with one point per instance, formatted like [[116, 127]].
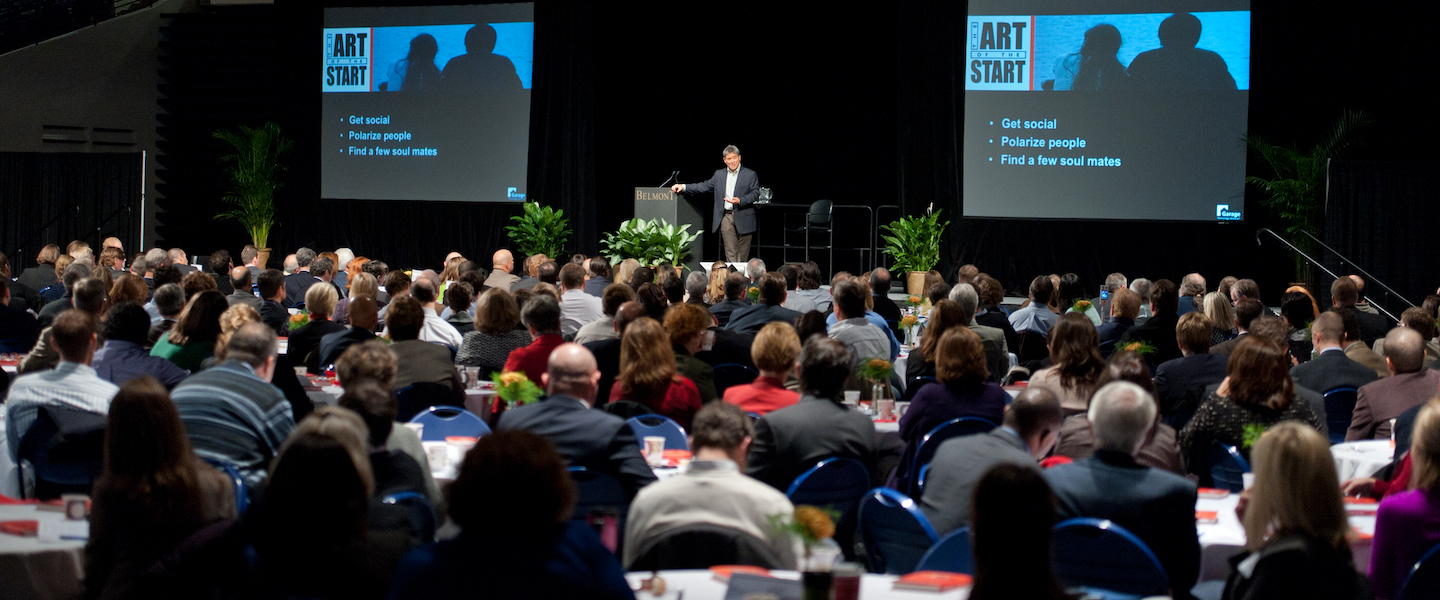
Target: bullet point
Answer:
[[992, 159], [992, 122], [991, 141]]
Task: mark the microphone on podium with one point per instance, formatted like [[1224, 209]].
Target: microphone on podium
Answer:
[[673, 175]]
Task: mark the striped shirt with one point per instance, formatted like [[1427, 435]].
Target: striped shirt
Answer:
[[233, 416], [68, 384]]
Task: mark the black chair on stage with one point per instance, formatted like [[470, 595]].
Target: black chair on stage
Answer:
[[818, 219]]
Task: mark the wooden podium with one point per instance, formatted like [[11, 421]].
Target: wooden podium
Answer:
[[677, 209]]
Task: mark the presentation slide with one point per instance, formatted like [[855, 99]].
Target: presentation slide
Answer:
[[427, 103], [1121, 110]]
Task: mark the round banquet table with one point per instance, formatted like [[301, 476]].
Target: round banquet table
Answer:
[[30, 568], [1226, 538], [699, 584], [1362, 459]]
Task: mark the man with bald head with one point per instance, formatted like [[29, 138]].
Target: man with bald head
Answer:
[[363, 316], [242, 294], [607, 351], [1409, 385], [1331, 368], [501, 267], [596, 440], [1031, 426]]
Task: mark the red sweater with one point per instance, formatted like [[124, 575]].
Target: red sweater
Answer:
[[534, 359], [764, 395], [680, 403]]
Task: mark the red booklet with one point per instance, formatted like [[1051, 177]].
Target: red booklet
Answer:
[[22, 528], [1207, 517], [933, 581], [723, 572]]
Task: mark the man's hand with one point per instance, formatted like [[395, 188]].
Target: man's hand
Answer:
[[677, 188], [731, 201], [1242, 504]]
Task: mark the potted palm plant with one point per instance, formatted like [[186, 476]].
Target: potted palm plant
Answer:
[[915, 244], [540, 230], [254, 169]]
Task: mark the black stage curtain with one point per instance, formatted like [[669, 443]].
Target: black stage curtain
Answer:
[[56, 197], [1382, 215]]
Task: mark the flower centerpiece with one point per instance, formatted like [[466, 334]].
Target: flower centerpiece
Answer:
[[515, 388], [1081, 306], [299, 320], [908, 323], [753, 294], [879, 372], [1141, 347], [1251, 434], [914, 301], [815, 527]]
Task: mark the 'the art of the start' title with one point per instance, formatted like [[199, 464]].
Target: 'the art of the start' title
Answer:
[[999, 53], [348, 59]]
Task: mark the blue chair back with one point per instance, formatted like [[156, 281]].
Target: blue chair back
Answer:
[[415, 398], [1339, 407], [895, 532], [63, 452], [732, 374], [601, 502], [1098, 553], [833, 483], [242, 494], [444, 421], [661, 425], [952, 553], [932, 440], [1423, 582], [422, 513], [920, 481], [1227, 467]]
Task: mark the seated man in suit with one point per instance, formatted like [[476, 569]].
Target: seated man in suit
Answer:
[[1031, 426], [1156, 506], [884, 306], [791, 440], [272, 304], [770, 308], [1180, 383], [1330, 369], [18, 328], [1409, 385], [1356, 348], [593, 439], [1159, 329], [735, 287], [997, 354], [240, 289], [1124, 308], [298, 282], [1246, 311], [364, 316], [713, 490], [419, 362]]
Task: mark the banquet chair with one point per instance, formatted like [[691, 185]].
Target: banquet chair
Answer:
[[1097, 553], [952, 553], [601, 503], [1423, 582], [444, 421], [422, 513], [242, 493], [626, 409], [1227, 467], [1339, 406], [701, 546], [661, 425], [835, 484], [895, 532], [62, 452], [920, 481], [728, 375], [413, 399], [931, 442], [1033, 346]]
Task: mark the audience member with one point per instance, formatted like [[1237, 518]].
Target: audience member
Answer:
[[536, 551], [862, 338], [1408, 385], [807, 287], [1159, 329], [883, 305], [1160, 451], [397, 285], [497, 333], [363, 319], [992, 314], [653, 299], [1355, 348], [1037, 317], [168, 302], [689, 328], [696, 285], [272, 304], [502, 264], [1141, 287], [997, 353], [1345, 294], [607, 351], [1192, 294], [239, 281], [435, 329], [304, 344], [395, 471], [219, 267], [1014, 515], [458, 298], [419, 361], [754, 270], [23, 296], [541, 316], [362, 284], [597, 276], [791, 440], [1030, 428], [192, 339], [715, 288], [153, 493], [775, 351], [123, 356], [1156, 506], [70, 275], [1078, 368], [1242, 289], [533, 265], [920, 366], [18, 329], [577, 308], [1330, 369], [42, 275], [1180, 383], [232, 413], [736, 286], [603, 328], [297, 283], [1246, 311], [672, 286], [1217, 308], [1418, 319], [1072, 292], [72, 384], [593, 439], [648, 374], [1258, 391], [250, 259], [770, 307], [289, 266], [1407, 524], [1298, 534], [1297, 313], [960, 390], [1124, 308]]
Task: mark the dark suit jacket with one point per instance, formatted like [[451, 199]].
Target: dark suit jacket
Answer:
[[1175, 380], [1114, 328], [295, 285], [39, 277], [888, 309], [423, 362], [596, 286], [1386, 399], [791, 440], [275, 315], [1330, 370], [747, 190], [1405, 430], [730, 347], [1226, 347], [335, 344], [1372, 327], [1156, 506], [1159, 330], [18, 330], [306, 339], [222, 283], [752, 318], [588, 438], [724, 309], [23, 296], [958, 465], [994, 317], [607, 360]]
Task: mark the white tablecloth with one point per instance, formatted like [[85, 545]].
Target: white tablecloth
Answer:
[[30, 568], [444, 472], [1362, 459], [1222, 540], [701, 585]]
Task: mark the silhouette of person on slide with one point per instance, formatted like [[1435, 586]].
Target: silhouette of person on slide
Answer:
[[417, 71], [479, 69], [1178, 64], [1094, 67]]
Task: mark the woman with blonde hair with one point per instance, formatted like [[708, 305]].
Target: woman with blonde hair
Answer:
[[1408, 524], [497, 333], [232, 319], [1221, 313], [626, 270], [648, 375], [715, 291], [689, 325], [304, 342], [361, 284], [1297, 535]]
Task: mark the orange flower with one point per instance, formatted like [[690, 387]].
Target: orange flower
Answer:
[[814, 520], [512, 378]]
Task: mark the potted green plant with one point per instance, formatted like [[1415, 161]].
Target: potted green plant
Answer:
[[650, 242], [1297, 190], [914, 242], [540, 230], [254, 170]]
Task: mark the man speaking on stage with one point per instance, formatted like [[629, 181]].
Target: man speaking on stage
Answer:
[[736, 189]]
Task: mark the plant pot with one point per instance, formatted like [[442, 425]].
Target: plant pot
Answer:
[[915, 283], [262, 258]]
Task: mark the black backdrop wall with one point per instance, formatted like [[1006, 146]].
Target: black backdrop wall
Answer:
[[858, 106], [55, 197]]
